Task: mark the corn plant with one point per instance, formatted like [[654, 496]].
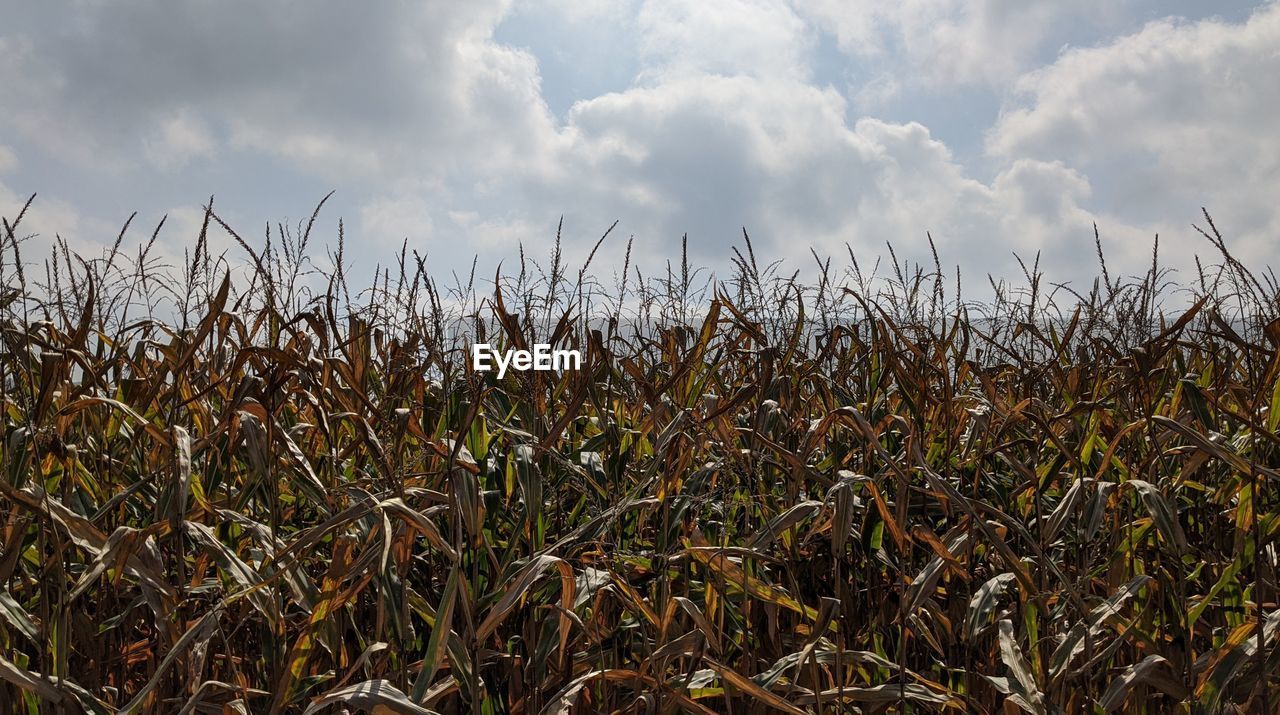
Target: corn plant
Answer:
[[237, 485]]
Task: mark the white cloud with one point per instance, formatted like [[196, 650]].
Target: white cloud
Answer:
[[711, 154], [52, 217], [727, 37], [8, 160], [947, 41], [1173, 117], [177, 139], [342, 90], [580, 12], [387, 221], [32, 89], [498, 235], [439, 133], [46, 219]]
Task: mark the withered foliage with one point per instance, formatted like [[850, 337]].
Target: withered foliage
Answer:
[[255, 491]]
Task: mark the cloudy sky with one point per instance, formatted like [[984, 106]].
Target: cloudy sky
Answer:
[[999, 126]]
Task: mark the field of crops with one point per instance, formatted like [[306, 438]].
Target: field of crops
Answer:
[[273, 492]]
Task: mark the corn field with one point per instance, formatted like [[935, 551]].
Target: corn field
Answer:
[[239, 485]]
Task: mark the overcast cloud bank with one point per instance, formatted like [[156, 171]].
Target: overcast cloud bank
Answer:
[[469, 128]]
